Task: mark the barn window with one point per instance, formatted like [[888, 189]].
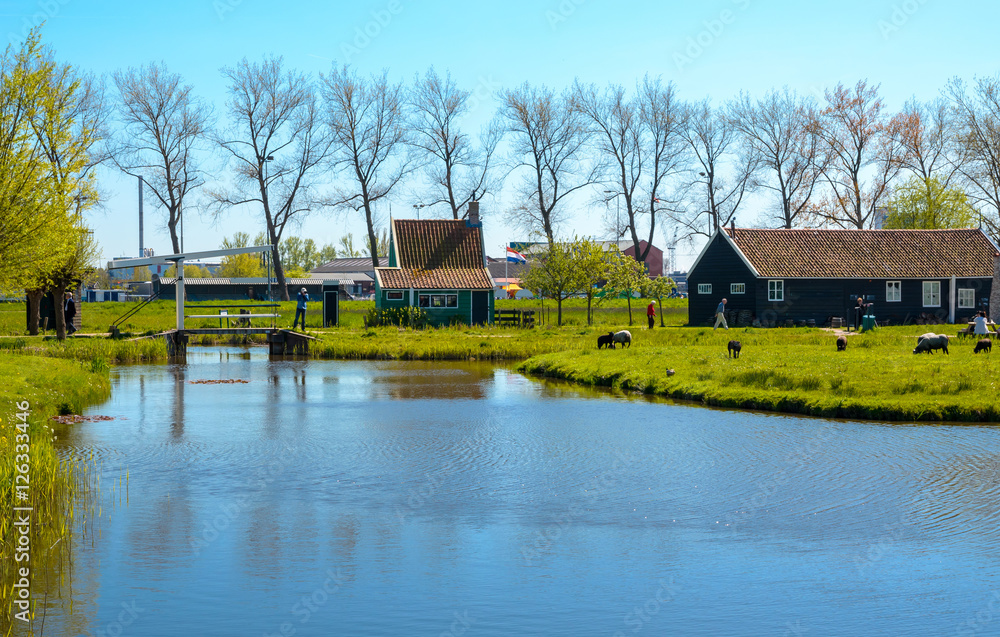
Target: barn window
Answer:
[[893, 291], [438, 301], [391, 295], [932, 294], [775, 290], [451, 300], [966, 297], [424, 300], [737, 288], [704, 288]]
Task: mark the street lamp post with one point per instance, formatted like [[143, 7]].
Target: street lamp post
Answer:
[[417, 207]]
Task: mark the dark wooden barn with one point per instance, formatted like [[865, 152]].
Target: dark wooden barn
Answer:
[[775, 276]]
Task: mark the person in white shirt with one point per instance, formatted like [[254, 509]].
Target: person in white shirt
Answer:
[[980, 326]]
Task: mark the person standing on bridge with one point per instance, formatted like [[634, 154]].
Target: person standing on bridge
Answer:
[[300, 308]]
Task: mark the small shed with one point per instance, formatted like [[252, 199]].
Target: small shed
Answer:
[[440, 267], [818, 274]]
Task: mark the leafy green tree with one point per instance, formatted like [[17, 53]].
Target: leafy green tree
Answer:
[[236, 266], [142, 274], [347, 248], [928, 204], [657, 288], [625, 276], [591, 261], [326, 254], [555, 275]]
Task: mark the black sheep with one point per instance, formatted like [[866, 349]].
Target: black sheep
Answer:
[[734, 349], [841, 343], [606, 340], [984, 345]]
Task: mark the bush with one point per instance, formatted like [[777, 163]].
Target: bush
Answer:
[[399, 316]]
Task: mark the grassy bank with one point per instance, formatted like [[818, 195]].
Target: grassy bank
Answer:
[[797, 371], [48, 387]]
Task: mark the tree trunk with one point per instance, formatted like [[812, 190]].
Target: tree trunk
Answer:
[[279, 273], [628, 299], [372, 239], [590, 316], [34, 298], [172, 227], [659, 302], [59, 305], [559, 311]]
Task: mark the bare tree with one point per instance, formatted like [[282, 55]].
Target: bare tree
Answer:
[[977, 112], [927, 133], [640, 141], [547, 138], [459, 171], [162, 126], [367, 120], [866, 154], [278, 144], [781, 130], [721, 173]]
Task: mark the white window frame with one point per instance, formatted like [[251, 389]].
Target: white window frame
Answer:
[[737, 288], [929, 292], [893, 291], [704, 288], [450, 301], [971, 294], [775, 292], [391, 295]]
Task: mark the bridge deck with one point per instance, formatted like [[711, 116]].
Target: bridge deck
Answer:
[[242, 331]]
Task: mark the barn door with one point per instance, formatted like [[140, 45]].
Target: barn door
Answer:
[[480, 307]]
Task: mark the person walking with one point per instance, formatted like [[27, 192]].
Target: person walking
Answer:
[[651, 314], [300, 308], [859, 311], [720, 316], [69, 313]]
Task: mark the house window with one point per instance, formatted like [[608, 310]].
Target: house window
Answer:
[[893, 291], [396, 295], [932, 294], [704, 288], [437, 301], [966, 297], [737, 288], [775, 290]]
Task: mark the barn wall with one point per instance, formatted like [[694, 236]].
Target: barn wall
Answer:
[[720, 266]]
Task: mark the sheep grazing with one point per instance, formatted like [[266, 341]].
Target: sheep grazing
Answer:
[[841, 343], [624, 337], [930, 342], [983, 345], [734, 349], [606, 340]]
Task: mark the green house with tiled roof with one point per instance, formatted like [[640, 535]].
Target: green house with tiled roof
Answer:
[[438, 266], [781, 275]]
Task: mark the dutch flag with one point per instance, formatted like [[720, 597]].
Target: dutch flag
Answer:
[[513, 256]]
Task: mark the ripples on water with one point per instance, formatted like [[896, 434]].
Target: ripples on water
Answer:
[[432, 498]]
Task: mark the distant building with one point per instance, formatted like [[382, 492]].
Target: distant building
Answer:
[[654, 259], [781, 275], [118, 269], [356, 273]]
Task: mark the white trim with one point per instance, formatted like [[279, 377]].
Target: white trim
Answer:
[[899, 290], [966, 307], [388, 292], [706, 291], [782, 282], [739, 252], [923, 293], [732, 288]]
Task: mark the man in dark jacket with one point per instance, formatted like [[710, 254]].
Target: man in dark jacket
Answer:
[[69, 313], [300, 308]]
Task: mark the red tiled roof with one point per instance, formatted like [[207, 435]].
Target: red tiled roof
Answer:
[[438, 279], [437, 243], [866, 254], [436, 254]]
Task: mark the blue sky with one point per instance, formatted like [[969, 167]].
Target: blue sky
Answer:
[[709, 49]]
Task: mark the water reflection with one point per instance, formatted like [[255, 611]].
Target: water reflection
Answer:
[[398, 494]]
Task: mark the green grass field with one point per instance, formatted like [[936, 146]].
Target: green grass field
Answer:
[[798, 371]]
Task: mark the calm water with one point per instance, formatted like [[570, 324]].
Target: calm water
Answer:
[[334, 498]]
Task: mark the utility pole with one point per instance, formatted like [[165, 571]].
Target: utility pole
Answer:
[[141, 245]]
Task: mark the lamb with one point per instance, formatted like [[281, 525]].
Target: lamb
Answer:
[[841, 343], [734, 349], [624, 337], [606, 340], [930, 342], [984, 345]]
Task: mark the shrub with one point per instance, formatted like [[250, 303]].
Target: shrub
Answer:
[[413, 317]]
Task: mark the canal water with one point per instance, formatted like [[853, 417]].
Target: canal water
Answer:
[[403, 498]]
